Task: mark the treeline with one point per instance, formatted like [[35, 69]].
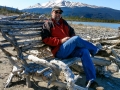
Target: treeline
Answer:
[[9, 11], [75, 18]]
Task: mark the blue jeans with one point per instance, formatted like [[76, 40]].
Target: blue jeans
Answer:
[[77, 47]]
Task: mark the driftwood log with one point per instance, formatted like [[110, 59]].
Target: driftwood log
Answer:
[[35, 58]]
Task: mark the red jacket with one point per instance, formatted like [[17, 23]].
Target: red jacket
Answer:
[[53, 32]]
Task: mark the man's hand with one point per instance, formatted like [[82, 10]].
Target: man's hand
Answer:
[[64, 39]]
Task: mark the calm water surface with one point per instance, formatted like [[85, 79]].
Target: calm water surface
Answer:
[[109, 25]]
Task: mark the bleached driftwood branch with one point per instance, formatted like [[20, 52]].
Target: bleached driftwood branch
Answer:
[[113, 39]]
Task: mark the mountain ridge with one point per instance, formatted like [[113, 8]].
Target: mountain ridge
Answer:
[[78, 9], [61, 3]]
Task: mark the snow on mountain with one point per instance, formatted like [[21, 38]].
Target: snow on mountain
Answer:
[[61, 3], [76, 9], [35, 6]]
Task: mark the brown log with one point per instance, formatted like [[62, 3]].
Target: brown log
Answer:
[[118, 31]]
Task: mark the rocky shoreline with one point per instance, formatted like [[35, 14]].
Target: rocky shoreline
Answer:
[[94, 31]]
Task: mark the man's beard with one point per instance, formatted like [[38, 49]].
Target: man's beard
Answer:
[[57, 18]]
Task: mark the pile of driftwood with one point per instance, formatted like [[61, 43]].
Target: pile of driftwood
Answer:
[[25, 16], [30, 58], [24, 38], [109, 42]]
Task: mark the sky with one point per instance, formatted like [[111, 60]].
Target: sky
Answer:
[[21, 4]]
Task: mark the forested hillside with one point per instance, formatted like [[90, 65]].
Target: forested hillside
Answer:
[[9, 11]]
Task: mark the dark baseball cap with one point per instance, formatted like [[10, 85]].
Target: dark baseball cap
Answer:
[[55, 8]]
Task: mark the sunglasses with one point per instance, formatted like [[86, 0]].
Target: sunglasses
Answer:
[[57, 12]]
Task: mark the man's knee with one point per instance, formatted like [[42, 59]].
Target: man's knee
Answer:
[[76, 38], [85, 51]]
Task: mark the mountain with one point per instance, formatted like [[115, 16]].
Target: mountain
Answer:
[[76, 9], [61, 3]]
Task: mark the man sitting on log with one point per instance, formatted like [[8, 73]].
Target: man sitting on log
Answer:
[[65, 44]]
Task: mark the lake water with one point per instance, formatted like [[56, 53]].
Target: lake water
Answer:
[[109, 25]]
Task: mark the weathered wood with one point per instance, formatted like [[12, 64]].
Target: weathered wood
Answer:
[[101, 61], [10, 56], [14, 43], [115, 54], [103, 39], [21, 26], [10, 17], [6, 45], [64, 86], [96, 60], [28, 82], [6, 30], [20, 23], [7, 84], [114, 59], [118, 31], [25, 37]]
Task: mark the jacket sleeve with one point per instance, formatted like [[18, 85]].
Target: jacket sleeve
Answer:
[[46, 35]]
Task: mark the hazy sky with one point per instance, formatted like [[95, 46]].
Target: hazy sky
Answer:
[[21, 4]]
